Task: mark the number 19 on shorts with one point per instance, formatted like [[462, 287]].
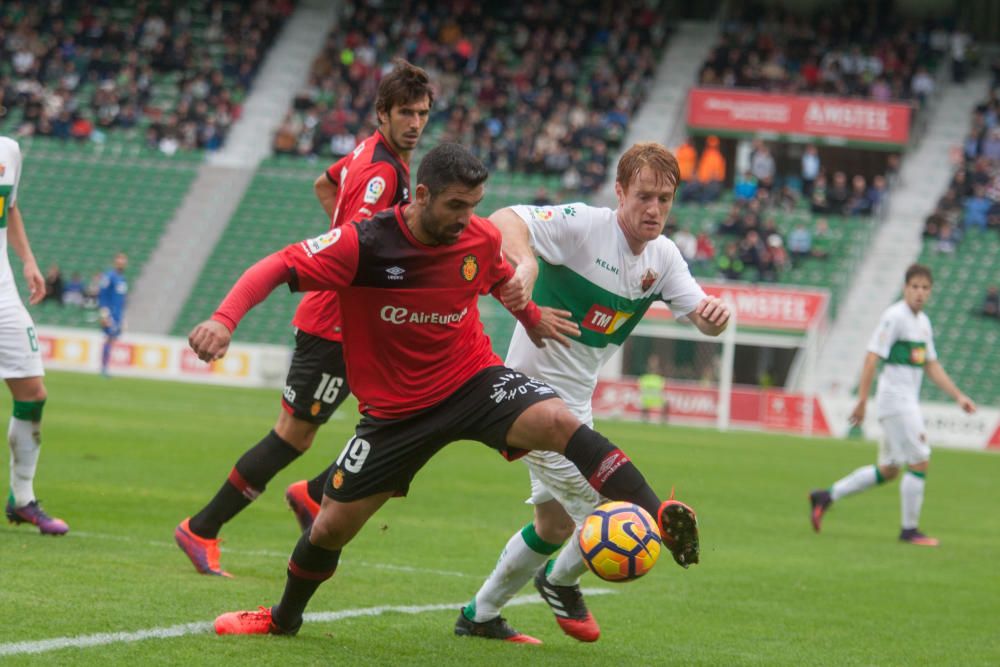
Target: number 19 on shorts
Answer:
[[354, 455]]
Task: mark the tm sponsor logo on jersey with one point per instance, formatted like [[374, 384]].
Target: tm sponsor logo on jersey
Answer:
[[604, 320], [400, 315], [316, 245], [374, 189]]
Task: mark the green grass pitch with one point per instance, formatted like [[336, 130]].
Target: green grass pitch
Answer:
[[124, 461]]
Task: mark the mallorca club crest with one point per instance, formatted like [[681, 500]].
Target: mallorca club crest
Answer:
[[470, 268], [648, 278], [338, 479]]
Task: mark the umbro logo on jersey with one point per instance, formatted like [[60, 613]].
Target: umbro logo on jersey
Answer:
[[395, 273]]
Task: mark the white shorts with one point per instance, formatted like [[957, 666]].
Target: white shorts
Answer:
[[20, 356], [554, 477], [904, 440]]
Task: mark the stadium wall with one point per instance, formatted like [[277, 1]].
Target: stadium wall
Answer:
[[246, 365], [781, 411], [163, 358]]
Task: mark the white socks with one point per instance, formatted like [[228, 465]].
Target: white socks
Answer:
[[569, 565], [911, 496], [520, 559], [25, 444], [859, 480]]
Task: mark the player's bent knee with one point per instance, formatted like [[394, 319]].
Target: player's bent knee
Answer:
[[296, 432], [889, 472], [552, 523], [326, 533], [28, 389], [554, 531], [547, 425]]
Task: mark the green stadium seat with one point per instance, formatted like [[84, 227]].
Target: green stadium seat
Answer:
[[76, 219], [961, 336]]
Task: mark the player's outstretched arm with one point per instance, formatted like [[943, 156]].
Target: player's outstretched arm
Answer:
[[935, 371], [867, 375], [711, 316], [211, 338], [554, 324], [18, 238], [518, 251]]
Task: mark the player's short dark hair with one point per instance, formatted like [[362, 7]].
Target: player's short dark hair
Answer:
[[447, 164], [915, 270], [404, 84]]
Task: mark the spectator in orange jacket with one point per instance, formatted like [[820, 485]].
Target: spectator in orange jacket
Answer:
[[710, 174], [687, 157]]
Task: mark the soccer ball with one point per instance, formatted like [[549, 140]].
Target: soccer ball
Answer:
[[619, 541]]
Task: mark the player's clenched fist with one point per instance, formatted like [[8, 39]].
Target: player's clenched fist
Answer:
[[210, 340], [714, 310]]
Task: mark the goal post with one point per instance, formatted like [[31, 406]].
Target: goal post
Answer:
[[758, 374]]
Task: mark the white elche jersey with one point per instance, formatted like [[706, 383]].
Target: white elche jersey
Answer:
[[587, 268], [10, 175], [904, 340], [20, 355]]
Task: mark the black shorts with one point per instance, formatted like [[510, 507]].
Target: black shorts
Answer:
[[385, 454], [317, 379]]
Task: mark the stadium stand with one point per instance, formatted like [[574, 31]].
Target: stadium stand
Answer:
[[169, 75], [847, 50], [521, 108], [962, 246], [550, 141], [82, 206]]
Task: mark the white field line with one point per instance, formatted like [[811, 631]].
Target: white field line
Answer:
[[203, 627], [278, 554]]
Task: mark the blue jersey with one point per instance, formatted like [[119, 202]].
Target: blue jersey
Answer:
[[114, 288]]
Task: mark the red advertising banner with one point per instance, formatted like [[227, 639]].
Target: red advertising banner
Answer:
[[852, 120], [689, 402], [761, 307]]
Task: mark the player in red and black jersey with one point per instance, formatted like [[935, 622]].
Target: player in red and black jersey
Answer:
[[373, 177], [422, 368]]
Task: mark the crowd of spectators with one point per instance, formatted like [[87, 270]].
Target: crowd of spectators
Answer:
[[704, 177], [972, 199], [524, 88], [72, 291], [78, 70], [746, 243], [853, 49]]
